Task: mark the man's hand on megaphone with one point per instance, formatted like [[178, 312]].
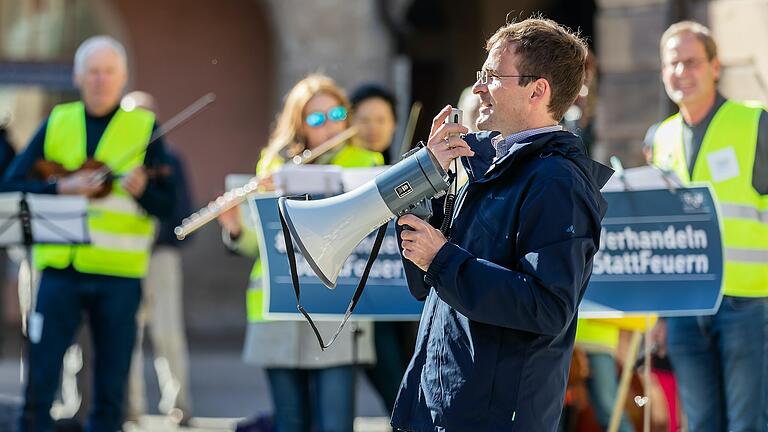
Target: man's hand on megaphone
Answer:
[[421, 242], [444, 140]]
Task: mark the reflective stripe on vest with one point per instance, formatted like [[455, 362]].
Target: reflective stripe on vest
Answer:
[[347, 157], [735, 211], [120, 230], [729, 145]]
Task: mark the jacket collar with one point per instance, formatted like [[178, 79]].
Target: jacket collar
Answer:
[[480, 143], [535, 146], [482, 168]]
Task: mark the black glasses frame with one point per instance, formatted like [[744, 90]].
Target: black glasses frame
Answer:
[[483, 76]]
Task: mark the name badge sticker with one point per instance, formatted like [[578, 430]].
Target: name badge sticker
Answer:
[[723, 164]]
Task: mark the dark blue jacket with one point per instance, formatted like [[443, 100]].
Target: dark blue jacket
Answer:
[[498, 325]]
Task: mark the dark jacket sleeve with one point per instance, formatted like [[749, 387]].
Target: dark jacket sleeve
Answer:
[[182, 207], [7, 152], [556, 241], [760, 170], [17, 179], [159, 198], [183, 195]]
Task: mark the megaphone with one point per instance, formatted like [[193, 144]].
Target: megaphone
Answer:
[[328, 230]]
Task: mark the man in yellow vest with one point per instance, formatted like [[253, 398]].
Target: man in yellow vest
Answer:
[[720, 361], [100, 281]]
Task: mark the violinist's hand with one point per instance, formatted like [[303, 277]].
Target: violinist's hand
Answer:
[[135, 182], [79, 183], [444, 139], [230, 221], [421, 242]]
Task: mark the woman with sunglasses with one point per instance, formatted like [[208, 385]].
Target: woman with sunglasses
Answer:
[[311, 389], [315, 111]]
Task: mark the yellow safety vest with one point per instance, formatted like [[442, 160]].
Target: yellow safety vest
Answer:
[[602, 334], [597, 335], [729, 145], [120, 230], [347, 157]]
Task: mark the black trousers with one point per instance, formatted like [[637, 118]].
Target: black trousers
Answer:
[[64, 298]]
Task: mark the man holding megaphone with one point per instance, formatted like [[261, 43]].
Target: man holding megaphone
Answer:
[[503, 285]]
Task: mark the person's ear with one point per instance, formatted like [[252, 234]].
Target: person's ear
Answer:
[[716, 67], [540, 89], [540, 93]]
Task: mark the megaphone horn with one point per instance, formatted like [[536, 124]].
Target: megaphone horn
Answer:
[[326, 231]]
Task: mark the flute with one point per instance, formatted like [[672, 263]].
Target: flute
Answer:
[[238, 195]]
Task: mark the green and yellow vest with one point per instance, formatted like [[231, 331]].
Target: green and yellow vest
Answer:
[[729, 145], [347, 157], [597, 335], [120, 230]]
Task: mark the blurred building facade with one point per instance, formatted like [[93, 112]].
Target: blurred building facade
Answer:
[[250, 52]]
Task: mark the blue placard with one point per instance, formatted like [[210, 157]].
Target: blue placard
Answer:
[[386, 295], [660, 252]]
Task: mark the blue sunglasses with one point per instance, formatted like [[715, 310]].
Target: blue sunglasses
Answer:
[[318, 118]]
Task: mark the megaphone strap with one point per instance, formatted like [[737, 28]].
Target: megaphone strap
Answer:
[[355, 296]]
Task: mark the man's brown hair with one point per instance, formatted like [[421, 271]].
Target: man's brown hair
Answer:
[[548, 50], [699, 31]]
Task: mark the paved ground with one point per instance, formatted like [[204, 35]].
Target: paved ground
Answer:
[[161, 424], [223, 390]]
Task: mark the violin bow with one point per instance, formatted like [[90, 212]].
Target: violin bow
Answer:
[[183, 116]]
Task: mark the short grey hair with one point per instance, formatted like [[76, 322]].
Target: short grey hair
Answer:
[[93, 43], [698, 30]]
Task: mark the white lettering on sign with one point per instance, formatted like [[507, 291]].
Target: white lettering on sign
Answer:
[[632, 251]]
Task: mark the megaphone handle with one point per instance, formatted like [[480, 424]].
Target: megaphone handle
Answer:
[[450, 201], [355, 296]]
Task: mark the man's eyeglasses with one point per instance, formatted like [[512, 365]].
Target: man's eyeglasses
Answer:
[[484, 76], [318, 118]]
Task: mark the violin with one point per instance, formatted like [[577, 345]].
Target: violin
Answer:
[[101, 173]]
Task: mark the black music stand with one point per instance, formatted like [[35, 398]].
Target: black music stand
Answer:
[[30, 219]]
